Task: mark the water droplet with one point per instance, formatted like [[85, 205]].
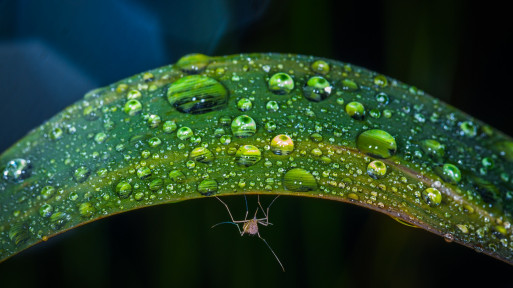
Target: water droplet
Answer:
[[156, 184], [244, 104], [100, 137], [197, 95], [376, 169], [376, 143], [225, 139], [90, 113], [356, 110], [248, 155], [202, 155], [432, 197], [468, 128], [433, 148], [487, 162], [317, 89], [282, 145], [281, 83], [349, 85], [207, 187], [154, 142], [375, 113], [58, 219], [17, 170], [177, 176], [154, 121], [381, 81], [133, 95], [148, 77], [169, 126], [320, 67], [56, 133], [299, 180], [123, 189], [272, 106], [450, 173], [193, 63], [19, 233], [184, 133], [86, 209], [46, 210], [382, 98], [47, 192], [270, 126], [143, 173], [132, 107], [243, 126], [316, 137], [81, 174]]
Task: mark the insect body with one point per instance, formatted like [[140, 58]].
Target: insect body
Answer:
[[250, 226]]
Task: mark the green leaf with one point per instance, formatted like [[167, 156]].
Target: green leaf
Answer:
[[261, 124]]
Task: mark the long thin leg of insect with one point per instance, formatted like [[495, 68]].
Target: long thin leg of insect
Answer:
[[247, 209], [266, 214], [283, 268], [231, 217]]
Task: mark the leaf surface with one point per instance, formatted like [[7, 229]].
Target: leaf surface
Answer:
[[261, 124]]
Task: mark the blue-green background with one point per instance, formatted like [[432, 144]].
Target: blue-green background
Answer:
[[52, 52]]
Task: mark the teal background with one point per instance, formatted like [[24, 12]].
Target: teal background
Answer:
[[52, 52]]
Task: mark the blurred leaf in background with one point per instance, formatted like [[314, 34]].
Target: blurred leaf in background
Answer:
[[52, 52]]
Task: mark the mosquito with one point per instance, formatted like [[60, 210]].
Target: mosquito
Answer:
[[250, 226]]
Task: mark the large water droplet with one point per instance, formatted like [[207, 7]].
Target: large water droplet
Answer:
[[81, 174], [468, 128], [356, 110], [197, 94], [321, 67], [86, 209], [350, 85], [184, 133], [281, 83], [143, 172], [207, 187], [123, 189], [376, 143], [432, 197], [299, 180], [17, 170], [132, 107], [193, 63], [248, 155], [282, 145], [177, 176], [244, 104], [376, 169], [46, 210], [243, 126], [19, 233], [433, 148], [47, 192], [381, 81], [450, 173], [317, 89], [169, 126], [202, 155]]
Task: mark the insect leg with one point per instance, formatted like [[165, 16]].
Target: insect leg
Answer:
[[283, 268]]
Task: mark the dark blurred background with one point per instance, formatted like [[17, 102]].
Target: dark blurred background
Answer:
[[53, 51]]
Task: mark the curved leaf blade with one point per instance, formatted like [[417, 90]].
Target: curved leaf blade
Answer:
[[261, 123]]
